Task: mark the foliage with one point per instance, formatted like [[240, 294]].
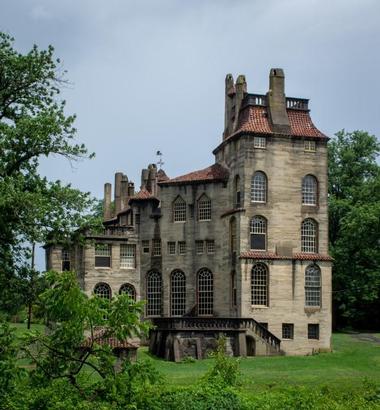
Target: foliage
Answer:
[[33, 124], [225, 370], [354, 223], [77, 327]]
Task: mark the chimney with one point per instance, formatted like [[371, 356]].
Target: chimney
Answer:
[[118, 178], [152, 179], [124, 192], [144, 178], [131, 189], [107, 201], [229, 102], [277, 102], [241, 90]]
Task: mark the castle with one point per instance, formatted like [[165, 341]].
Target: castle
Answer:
[[239, 248]]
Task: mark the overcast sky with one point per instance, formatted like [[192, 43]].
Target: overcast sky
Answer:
[[149, 75]]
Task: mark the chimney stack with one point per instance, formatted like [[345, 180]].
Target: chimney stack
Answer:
[[124, 192], [107, 201], [229, 99], [144, 178], [152, 179], [277, 102], [118, 178], [241, 90], [131, 189]]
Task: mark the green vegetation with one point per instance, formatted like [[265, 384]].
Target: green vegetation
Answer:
[[354, 228]]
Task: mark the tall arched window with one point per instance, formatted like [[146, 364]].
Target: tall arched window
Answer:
[[103, 290], [309, 236], [258, 231], [259, 187], [313, 286], [237, 195], [178, 293], [205, 292], [128, 289], [233, 234], [309, 190], [259, 285], [204, 208], [153, 293], [179, 210]]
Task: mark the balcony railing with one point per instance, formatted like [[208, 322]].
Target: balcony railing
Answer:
[[226, 324], [116, 230], [297, 103]]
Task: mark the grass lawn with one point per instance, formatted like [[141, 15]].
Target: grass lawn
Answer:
[[351, 362]]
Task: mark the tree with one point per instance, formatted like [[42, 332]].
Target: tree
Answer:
[[33, 124], [354, 223]]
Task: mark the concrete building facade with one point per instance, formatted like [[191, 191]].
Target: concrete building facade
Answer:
[[239, 248]]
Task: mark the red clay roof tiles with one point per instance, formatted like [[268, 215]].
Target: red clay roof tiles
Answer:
[[213, 173], [296, 256]]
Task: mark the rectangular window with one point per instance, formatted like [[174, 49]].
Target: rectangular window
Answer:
[[102, 255], [199, 247], [258, 242], [312, 331], [127, 256], [145, 246], [156, 245], [179, 210], [210, 246], [287, 330], [137, 219], [204, 209], [65, 260], [310, 146], [182, 248], [171, 248], [264, 325], [259, 142]]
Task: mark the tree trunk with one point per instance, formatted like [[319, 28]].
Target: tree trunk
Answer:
[[31, 284]]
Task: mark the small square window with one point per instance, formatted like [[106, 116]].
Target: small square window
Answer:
[[287, 330], [171, 248], [312, 331], [199, 247], [102, 255], [145, 246], [259, 142], [310, 146], [156, 247], [210, 246], [181, 248]]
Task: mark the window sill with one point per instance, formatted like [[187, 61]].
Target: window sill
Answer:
[[259, 307], [103, 267], [286, 339], [312, 309], [127, 268]]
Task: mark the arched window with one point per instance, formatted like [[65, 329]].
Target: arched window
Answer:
[[204, 208], [259, 285], [309, 239], [309, 190], [179, 210], [313, 286], [259, 187], [233, 234], [233, 289], [205, 292], [178, 293], [102, 290], [128, 289], [153, 293], [258, 231], [237, 195]]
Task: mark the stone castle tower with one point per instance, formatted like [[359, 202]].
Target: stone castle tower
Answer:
[[239, 248]]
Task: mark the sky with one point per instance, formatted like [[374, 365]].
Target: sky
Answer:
[[148, 75]]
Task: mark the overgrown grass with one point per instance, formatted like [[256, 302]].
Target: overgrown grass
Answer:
[[351, 362]]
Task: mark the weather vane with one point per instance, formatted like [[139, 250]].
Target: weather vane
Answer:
[[160, 162]]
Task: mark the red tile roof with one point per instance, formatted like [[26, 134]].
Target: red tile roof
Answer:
[[255, 119], [143, 195], [312, 257], [295, 256], [161, 176], [213, 173]]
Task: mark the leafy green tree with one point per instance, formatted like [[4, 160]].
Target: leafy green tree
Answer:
[[354, 223], [79, 329], [33, 125]]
